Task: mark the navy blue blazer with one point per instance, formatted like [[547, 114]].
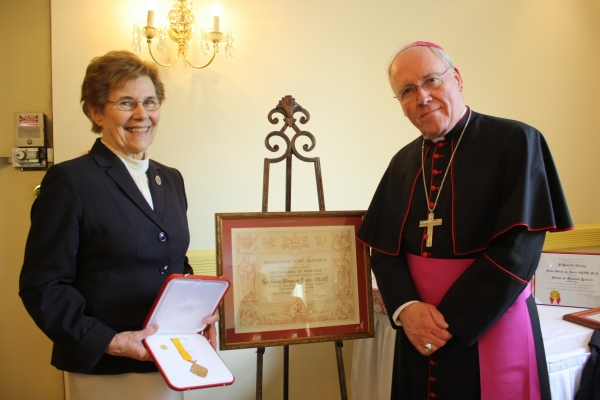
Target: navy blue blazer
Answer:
[[97, 255]]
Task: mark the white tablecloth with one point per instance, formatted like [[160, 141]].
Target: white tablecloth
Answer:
[[372, 362], [566, 346], [567, 349]]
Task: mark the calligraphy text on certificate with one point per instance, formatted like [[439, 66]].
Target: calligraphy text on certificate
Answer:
[[294, 278]]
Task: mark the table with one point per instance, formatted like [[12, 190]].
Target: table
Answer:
[[567, 349], [566, 346]]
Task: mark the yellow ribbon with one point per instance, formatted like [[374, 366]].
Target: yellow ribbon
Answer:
[[186, 356]]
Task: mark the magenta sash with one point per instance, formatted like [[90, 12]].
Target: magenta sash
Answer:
[[507, 358]]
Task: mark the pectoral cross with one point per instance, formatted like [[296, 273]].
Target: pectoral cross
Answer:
[[430, 222]]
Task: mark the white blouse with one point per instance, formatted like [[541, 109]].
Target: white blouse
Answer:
[[137, 169]]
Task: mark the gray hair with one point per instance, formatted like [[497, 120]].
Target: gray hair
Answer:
[[441, 54]]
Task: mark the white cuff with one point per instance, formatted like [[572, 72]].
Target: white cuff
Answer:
[[396, 315]]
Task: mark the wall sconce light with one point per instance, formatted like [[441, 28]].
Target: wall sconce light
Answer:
[[180, 30]]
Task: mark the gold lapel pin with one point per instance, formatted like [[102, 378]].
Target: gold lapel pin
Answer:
[[157, 179]]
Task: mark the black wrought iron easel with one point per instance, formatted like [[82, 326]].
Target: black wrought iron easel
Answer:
[[287, 106]]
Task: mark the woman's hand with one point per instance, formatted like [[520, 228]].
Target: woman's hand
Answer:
[[129, 344], [210, 332]]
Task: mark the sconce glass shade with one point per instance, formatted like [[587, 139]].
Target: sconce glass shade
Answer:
[[208, 35], [140, 30]]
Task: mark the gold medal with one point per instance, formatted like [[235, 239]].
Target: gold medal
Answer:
[[199, 370], [196, 368]]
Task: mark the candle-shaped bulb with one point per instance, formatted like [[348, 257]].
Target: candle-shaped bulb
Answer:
[[216, 16], [151, 8], [150, 21]]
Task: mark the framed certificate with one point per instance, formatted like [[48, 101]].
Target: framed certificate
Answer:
[[589, 318], [568, 279], [297, 277]]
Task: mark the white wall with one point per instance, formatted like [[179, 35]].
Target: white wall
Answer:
[[532, 60]]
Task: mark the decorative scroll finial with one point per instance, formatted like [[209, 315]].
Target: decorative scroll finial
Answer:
[[287, 107]]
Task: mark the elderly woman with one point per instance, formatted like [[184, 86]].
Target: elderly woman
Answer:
[[106, 231]]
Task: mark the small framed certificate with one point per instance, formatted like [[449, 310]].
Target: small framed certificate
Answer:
[[589, 318], [568, 279], [297, 277]]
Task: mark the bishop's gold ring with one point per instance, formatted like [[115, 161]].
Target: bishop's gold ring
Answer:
[[426, 347]]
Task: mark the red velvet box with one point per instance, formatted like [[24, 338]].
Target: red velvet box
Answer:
[[181, 305]]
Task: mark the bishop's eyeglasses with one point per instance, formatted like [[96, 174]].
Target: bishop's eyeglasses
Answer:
[[129, 104], [409, 92]]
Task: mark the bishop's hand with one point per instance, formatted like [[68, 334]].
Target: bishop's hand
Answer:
[[424, 325]]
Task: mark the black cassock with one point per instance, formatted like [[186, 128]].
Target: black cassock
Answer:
[[500, 196]]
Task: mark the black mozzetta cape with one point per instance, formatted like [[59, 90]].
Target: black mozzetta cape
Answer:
[[507, 178]]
